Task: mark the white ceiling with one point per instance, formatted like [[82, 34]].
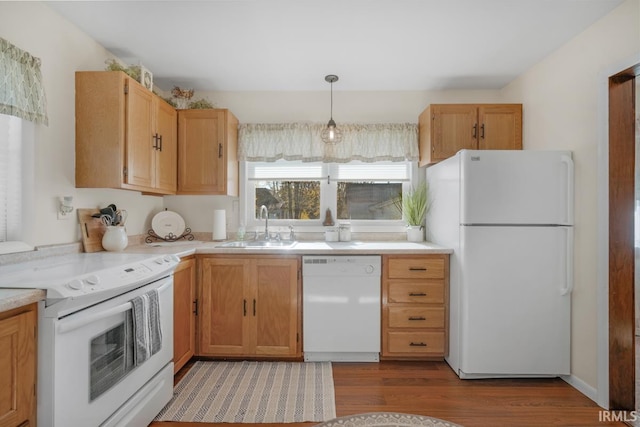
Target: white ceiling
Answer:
[[290, 45]]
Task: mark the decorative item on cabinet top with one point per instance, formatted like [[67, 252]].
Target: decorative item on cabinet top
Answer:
[[137, 72], [182, 100]]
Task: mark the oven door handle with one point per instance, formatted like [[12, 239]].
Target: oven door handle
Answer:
[[71, 325]]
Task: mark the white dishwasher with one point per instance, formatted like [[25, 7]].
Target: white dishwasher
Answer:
[[341, 308]]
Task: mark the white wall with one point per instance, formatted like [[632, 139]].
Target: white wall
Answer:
[[560, 97], [63, 49]]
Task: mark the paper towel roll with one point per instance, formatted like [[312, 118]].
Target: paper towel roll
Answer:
[[219, 224]]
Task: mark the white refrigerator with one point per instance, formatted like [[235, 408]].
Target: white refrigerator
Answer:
[[508, 215]]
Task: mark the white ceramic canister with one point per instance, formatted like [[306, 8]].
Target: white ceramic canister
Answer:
[[331, 234], [115, 238], [345, 232]]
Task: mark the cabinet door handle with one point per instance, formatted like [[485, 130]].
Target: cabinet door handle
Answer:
[[475, 131], [417, 344], [244, 307], [417, 268], [417, 294], [417, 318], [195, 307], [219, 151], [160, 142], [482, 131], [254, 307]]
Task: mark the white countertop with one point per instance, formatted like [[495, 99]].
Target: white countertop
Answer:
[[14, 298], [183, 248]]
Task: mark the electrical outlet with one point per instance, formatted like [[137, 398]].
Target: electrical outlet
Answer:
[[64, 216]]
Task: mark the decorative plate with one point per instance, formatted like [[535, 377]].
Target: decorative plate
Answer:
[[167, 223]]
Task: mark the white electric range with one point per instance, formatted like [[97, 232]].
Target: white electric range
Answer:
[[86, 372]]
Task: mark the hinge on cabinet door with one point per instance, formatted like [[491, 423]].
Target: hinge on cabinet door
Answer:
[[195, 304], [297, 337], [125, 171], [126, 88], [298, 274]]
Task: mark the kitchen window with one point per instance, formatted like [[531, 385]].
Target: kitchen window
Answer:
[[299, 193], [16, 181]]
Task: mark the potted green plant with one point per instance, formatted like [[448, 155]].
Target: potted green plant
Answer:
[[414, 205]]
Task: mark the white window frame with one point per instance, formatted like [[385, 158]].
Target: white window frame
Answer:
[[328, 199]]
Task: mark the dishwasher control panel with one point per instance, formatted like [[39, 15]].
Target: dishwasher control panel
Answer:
[[341, 265]]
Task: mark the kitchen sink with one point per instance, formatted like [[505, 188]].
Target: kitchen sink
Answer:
[[241, 244]]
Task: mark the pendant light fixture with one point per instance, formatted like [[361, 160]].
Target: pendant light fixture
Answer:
[[331, 134]]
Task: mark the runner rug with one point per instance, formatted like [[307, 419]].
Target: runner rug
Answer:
[[253, 392]]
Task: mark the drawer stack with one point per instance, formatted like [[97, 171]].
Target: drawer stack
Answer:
[[415, 298]]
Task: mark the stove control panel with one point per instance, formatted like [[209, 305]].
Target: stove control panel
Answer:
[[124, 276]]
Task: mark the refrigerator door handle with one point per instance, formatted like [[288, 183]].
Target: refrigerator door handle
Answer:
[[568, 287], [569, 162]]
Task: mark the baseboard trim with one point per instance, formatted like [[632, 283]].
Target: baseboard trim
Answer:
[[581, 386]]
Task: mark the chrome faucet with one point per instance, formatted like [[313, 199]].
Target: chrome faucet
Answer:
[[265, 212]]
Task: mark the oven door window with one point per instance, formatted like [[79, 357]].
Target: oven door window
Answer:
[[111, 357]]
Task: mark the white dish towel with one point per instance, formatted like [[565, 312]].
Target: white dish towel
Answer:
[[146, 326]]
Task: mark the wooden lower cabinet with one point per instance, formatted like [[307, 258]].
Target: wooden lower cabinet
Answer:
[[184, 312], [18, 330], [250, 306], [415, 300]]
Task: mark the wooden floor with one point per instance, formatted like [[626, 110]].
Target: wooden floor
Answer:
[[431, 388]]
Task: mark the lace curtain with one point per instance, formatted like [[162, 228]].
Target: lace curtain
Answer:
[[301, 141], [21, 91]]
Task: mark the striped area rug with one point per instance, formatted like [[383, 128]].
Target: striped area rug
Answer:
[[253, 392]]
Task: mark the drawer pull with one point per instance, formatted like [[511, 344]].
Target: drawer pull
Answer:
[[417, 268], [417, 318], [417, 294], [417, 344]]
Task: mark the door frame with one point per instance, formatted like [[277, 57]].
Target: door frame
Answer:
[[616, 351]]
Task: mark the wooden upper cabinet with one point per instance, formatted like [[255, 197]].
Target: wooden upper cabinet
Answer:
[[139, 136], [445, 129], [126, 136], [500, 127], [207, 152]]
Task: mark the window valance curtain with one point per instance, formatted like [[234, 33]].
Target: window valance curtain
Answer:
[[301, 141], [21, 90]]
